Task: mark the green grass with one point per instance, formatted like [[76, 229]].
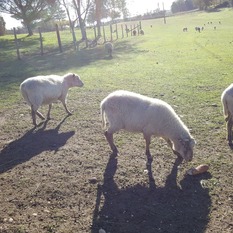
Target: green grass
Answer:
[[189, 70]]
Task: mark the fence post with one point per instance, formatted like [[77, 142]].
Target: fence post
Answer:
[[116, 31], [131, 30], [122, 31], [95, 32], [58, 38], [104, 33], [17, 45], [127, 30], [111, 31], [41, 42]]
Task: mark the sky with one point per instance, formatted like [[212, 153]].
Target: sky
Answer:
[[135, 7]]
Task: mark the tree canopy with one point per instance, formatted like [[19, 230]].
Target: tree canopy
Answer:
[[28, 11], [2, 26]]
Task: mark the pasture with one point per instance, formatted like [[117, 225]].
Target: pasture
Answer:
[[61, 176]]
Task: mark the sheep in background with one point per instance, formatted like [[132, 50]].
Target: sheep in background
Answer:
[[42, 90], [137, 113], [142, 32], [227, 102], [109, 48]]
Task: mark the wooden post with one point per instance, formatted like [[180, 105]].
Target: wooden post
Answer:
[[95, 32], [122, 31], [73, 35], [104, 33], [140, 25], [116, 31], [17, 45], [127, 30], [58, 38], [164, 19], [131, 30], [111, 31], [41, 42]]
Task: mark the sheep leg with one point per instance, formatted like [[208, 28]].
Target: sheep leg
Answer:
[[148, 154], [33, 116], [67, 110], [109, 137], [40, 115], [48, 114], [229, 130]]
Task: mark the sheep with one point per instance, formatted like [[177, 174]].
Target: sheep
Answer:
[[142, 32], [41, 90], [109, 48], [137, 113], [134, 32], [227, 103]]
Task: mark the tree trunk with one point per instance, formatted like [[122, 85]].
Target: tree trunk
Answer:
[[98, 17], [81, 22]]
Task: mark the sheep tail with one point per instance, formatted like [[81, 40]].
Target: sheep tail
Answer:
[[24, 94], [103, 117]]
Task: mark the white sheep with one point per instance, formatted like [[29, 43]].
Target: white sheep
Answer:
[[42, 90], [137, 113], [109, 48], [227, 102]]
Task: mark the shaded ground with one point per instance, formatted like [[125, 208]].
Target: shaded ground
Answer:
[[61, 177]]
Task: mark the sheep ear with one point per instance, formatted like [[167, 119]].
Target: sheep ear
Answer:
[[73, 75]]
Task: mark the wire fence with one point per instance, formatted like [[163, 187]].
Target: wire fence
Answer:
[[62, 40]]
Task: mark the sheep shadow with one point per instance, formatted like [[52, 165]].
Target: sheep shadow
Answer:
[[137, 209], [33, 143]]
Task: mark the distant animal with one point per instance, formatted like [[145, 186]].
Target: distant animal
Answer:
[[227, 102], [198, 29], [142, 32], [41, 90], [134, 32], [137, 113], [109, 48], [185, 29]]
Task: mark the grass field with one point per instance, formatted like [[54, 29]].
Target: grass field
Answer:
[[61, 176]]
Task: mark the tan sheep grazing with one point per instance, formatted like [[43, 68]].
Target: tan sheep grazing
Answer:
[[152, 117], [42, 90]]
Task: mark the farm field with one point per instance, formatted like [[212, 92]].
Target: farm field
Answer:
[[61, 176]]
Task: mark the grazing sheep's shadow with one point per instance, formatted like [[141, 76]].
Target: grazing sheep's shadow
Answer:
[[138, 209], [31, 144]]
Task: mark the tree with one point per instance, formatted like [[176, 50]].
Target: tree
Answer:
[[2, 26], [82, 7], [202, 4], [29, 11], [107, 8]]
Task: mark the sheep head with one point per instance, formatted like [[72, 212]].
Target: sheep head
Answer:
[[184, 148], [73, 80]]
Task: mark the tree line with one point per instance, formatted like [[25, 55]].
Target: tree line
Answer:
[[41, 13], [187, 5], [33, 13]]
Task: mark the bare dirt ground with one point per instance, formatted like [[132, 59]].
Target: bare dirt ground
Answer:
[[61, 177]]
